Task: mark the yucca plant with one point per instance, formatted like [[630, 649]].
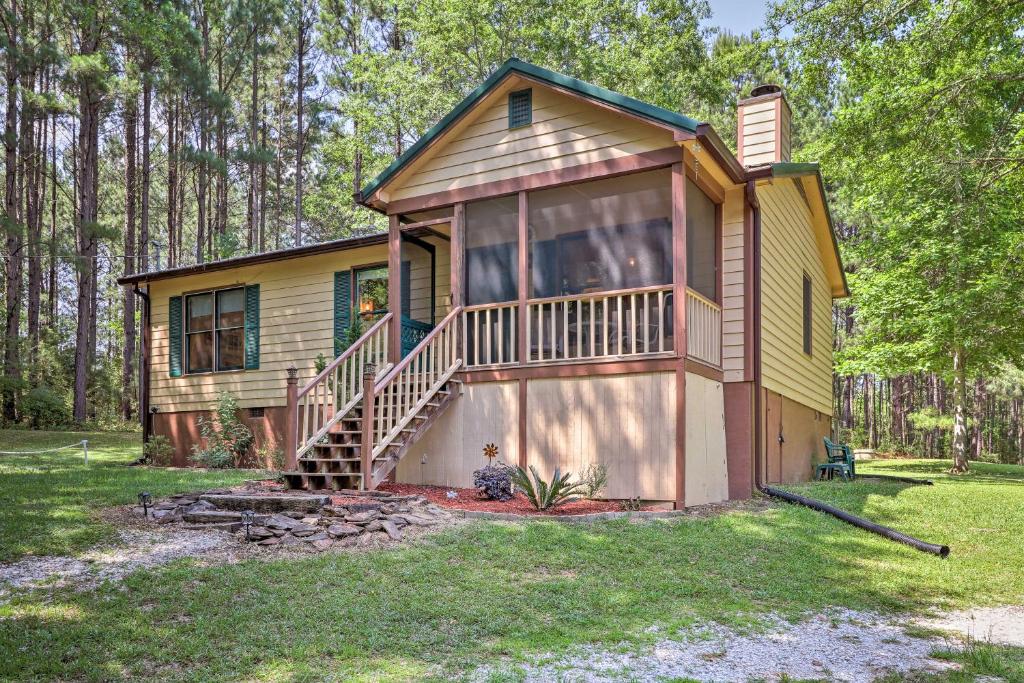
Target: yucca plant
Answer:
[[541, 494]]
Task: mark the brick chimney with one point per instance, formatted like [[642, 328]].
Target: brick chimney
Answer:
[[763, 127]]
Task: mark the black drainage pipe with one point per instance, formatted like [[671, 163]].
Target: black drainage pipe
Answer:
[[905, 480], [891, 534]]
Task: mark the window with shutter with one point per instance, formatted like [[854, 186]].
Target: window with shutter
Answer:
[[252, 327], [808, 307], [174, 322]]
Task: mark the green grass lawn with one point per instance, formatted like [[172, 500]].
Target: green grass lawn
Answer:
[[483, 591], [48, 502]]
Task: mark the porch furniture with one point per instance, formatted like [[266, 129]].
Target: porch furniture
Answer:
[[840, 453], [830, 469]]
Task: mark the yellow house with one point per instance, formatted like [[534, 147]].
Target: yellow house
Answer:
[[571, 274]]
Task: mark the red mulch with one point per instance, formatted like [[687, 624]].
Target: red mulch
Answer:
[[469, 499]]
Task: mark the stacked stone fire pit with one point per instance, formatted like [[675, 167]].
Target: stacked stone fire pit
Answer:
[[292, 519]]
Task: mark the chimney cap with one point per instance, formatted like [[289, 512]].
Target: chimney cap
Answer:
[[766, 89]]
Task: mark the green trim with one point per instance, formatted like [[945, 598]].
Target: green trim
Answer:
[[788, 169], [252, 327], [793, 169], [342, 308], [175, 319], [594, 92]]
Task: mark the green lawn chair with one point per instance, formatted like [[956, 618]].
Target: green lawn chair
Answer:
[[840, 454]]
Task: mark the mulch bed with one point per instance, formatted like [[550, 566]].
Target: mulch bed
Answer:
[[469, 499]]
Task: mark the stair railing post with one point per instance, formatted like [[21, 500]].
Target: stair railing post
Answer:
[[291, 419], [366, 440]]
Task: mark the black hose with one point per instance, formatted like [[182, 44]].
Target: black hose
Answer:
[[891, 534], [905, 480]]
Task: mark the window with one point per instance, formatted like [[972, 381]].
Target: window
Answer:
[[215, 330], [807, 314], [701, 242], [601, 235], [520, 108], [372, 293], [256, 413]]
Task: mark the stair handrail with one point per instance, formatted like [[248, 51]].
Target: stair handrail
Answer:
[[347, 389], [345, 354], [436, 358]]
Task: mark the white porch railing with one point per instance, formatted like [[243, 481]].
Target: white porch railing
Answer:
[[703, 328], [629, 322], [339, 387], [489, 334], [409, 386]]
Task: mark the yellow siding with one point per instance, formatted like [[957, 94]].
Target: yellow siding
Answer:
[[788, 250], [565, 132], [732, 285], [626, 422], [296, 324], [419, 289]]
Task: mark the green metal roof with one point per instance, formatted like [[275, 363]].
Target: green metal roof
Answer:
[[627, 104]]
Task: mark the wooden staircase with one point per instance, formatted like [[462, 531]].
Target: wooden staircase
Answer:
[[354, 424], [335, 462]]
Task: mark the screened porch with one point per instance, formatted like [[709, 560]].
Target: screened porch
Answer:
[[598, 260]]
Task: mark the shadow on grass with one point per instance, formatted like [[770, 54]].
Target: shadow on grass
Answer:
[[482, 591]]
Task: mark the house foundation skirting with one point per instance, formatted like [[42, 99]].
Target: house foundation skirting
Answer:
[[182, 430], [793, 438], [626, 422]]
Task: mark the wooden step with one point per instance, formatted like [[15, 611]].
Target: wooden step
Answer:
[[305, 459]]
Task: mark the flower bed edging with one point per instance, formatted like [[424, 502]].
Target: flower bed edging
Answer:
[[589, 517]]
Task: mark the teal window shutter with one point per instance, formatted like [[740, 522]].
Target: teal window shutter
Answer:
[[174, 322], [252, 327], [342, 307]]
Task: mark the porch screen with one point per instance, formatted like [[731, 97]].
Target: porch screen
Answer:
[[601, 235], [492, 252], [701, 236]]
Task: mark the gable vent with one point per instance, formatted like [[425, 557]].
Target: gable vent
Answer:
[[520, 108]]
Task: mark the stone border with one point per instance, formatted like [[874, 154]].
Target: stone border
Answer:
[[588, 517]]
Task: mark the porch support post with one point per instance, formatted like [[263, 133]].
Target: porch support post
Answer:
[[291, 420], [522, 343], [394, 289], [679, 320], [366, 438], [457, 248], [522, 347]]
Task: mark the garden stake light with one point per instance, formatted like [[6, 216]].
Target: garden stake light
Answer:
[[145, 500], [248, 517]]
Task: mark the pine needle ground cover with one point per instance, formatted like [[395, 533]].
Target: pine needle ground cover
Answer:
[[468, 595]]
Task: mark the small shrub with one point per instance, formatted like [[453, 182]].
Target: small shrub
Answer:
[[268, 453], [45, 408], [227, 438], [158, 451], [495, 481], [630, 504], [541, 494], [594, 479]]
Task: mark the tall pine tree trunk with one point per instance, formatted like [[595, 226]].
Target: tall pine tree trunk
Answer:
[[147, 133], [131, 118], [14, 242], [87, 182], [300, 137]]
